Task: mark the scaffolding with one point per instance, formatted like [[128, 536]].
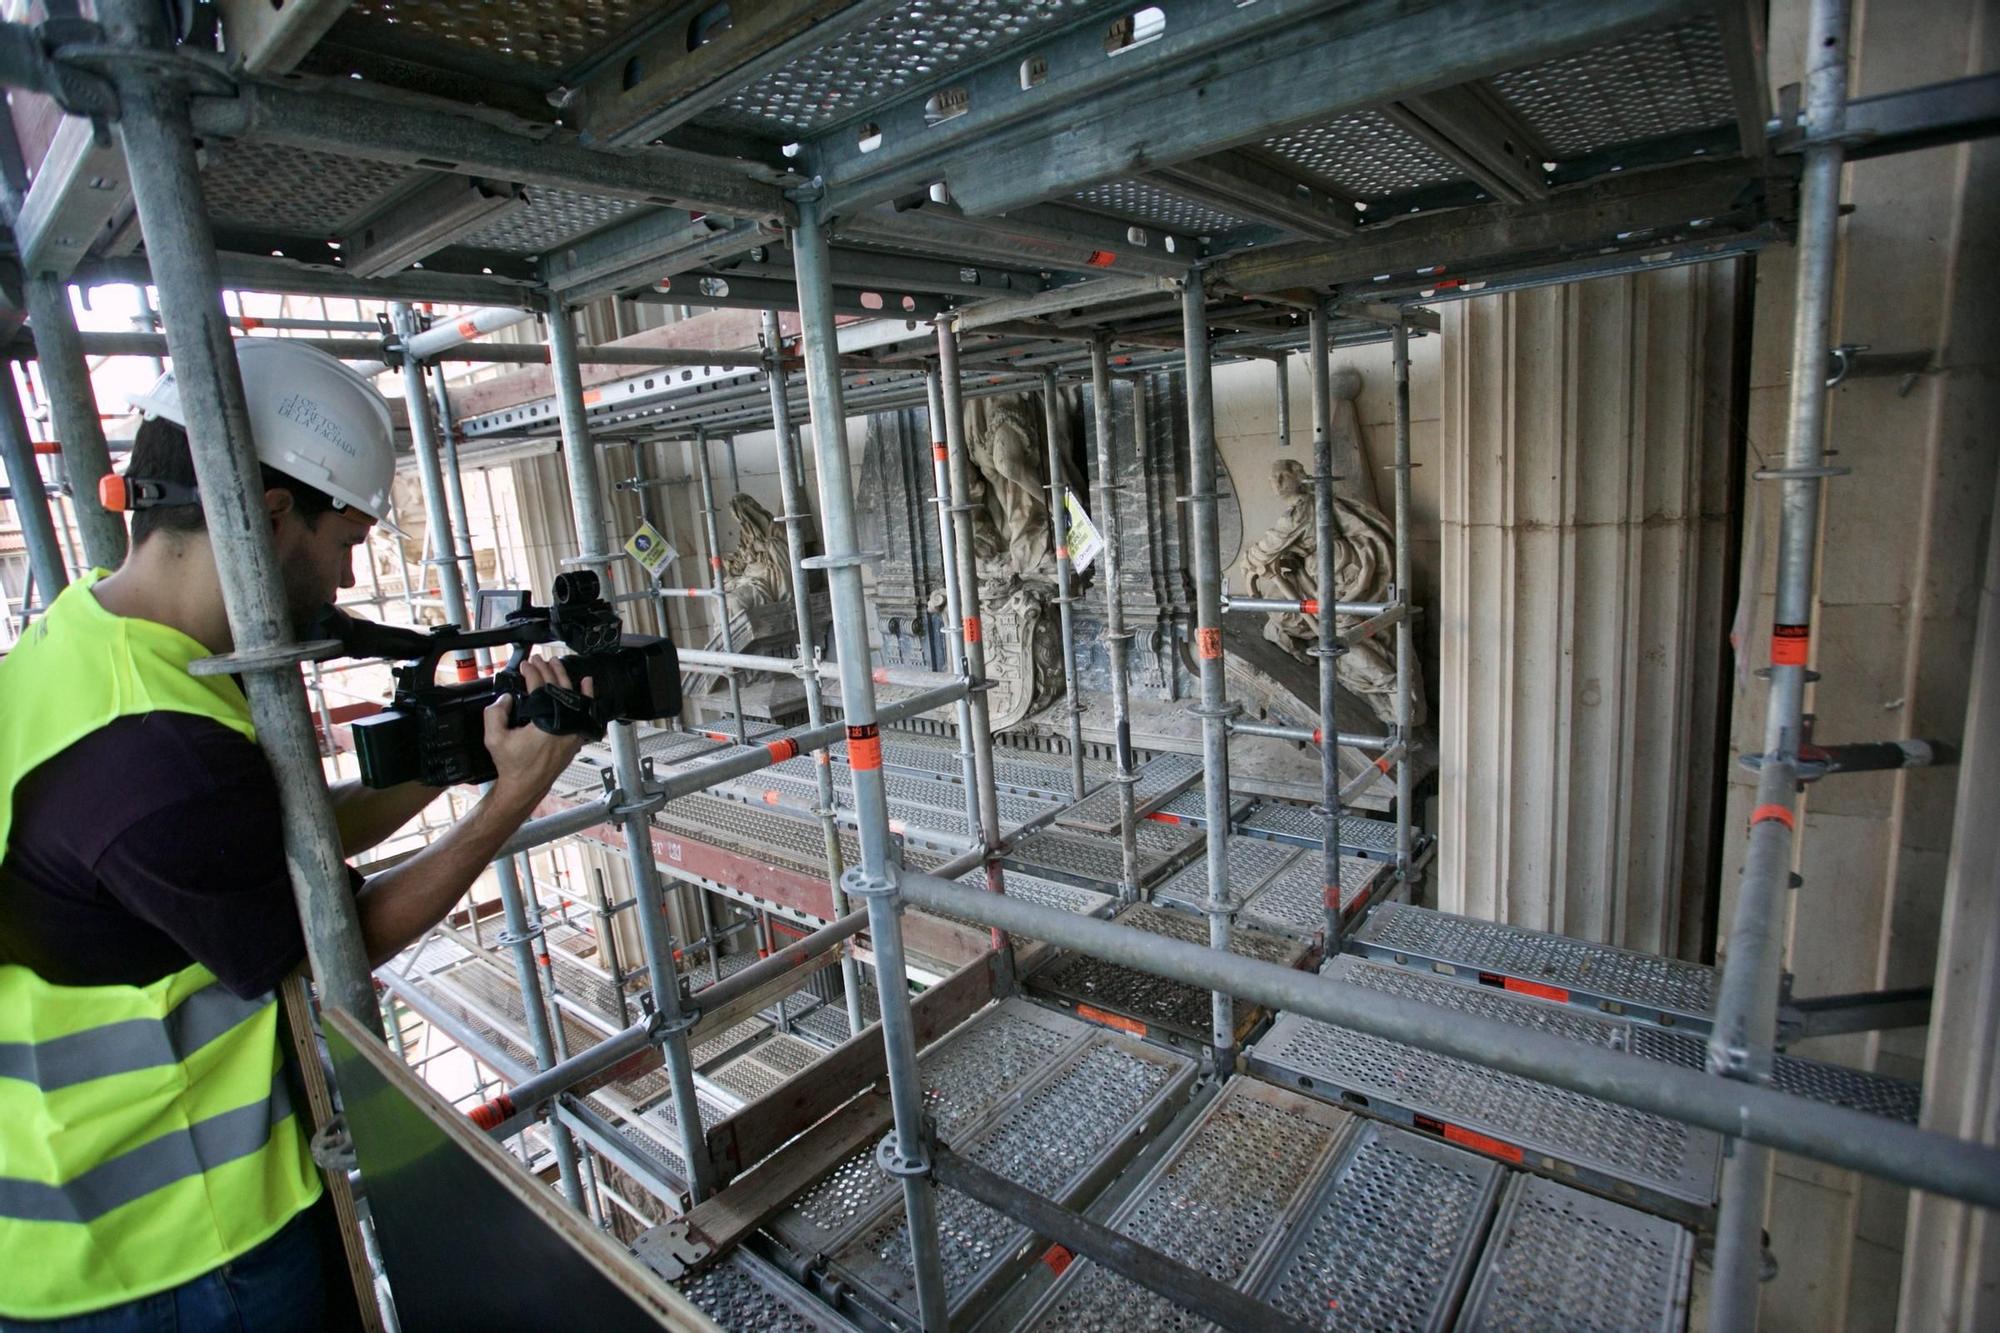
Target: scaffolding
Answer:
[[1066, 193]]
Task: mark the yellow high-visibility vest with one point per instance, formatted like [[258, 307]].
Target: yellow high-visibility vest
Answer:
[[146, 1134]]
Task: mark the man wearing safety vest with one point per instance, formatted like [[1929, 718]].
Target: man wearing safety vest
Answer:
[[153, 1166]]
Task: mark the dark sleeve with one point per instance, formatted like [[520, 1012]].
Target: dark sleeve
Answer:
[[209, 870]]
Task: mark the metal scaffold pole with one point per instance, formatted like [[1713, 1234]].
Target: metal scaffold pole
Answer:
[[796, 519], [454, 494], [1213, 710], [634, 811], [1406, 656], [1065, 579], [524, 927], [959, 457], [31, 500], [73, 413], [954, 600], [905, 1152], [715, 581], [1117, 639], [158, 144], [1329, 648], [1740, 1044]]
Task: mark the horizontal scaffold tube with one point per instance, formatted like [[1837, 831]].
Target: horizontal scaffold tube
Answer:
[[1826, 1133], [1312, 735], [910, 677], [1308, 607], [114, 342], [711, 998]]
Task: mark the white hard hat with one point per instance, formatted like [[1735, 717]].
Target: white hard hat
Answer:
[[311, 418]]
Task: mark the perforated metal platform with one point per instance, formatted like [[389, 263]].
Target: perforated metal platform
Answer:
[[1552, 967], [742, 1293], [1293, 902], [1657, 1163], [1150, 1006], [727, 1043], [1252, 863], [1065, 1137], [1857, 1089], [1560, 1258], [1388, 1241], [1096, 862], [1191, 807], [1218, 1202], [759, 1071], [1359, 836], [1159, 780], [969, 1073]]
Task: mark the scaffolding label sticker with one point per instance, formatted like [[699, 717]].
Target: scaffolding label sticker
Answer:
[[650, 549], [1083, 539]]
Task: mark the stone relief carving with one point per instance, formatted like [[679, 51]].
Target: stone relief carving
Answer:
[[758, 571], [1284, 563]]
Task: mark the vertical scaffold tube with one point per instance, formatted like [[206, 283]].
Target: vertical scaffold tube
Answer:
[[1213, 710], [954, 603], [796, 521], [1740, 1044], [1065, 579], [73, 412], [1327, 535], [905, 1153], [960, 459], [663, 980], [454, 492], [158, 144], [1406, 657], [1281, 375], [1117, 639], [31, 498], [524, 924], [708, 518]]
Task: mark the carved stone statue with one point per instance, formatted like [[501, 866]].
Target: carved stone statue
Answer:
[[758, 571], [1284, 564], [1007, 450]]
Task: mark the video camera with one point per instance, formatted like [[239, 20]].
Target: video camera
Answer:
[[435, 733]]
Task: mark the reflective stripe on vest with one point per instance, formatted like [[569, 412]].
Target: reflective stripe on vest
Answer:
[[134, 1043], [173, 1156], [146, 1136]]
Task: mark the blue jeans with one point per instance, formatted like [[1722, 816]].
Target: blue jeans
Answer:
[[279, 1287]]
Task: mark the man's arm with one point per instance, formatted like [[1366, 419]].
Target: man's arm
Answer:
[[400, 904], [368, 816]]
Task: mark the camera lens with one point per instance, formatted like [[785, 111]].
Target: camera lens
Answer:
[[578, 586]]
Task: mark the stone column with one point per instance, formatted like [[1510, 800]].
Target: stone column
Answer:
[[1585, 515]]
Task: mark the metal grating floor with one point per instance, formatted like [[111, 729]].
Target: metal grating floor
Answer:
[[1633, 985], [1857, 1089], [1389, 1240], [1095, 861], [1154, 1006], [1359, 836], [973, 1070], [1066, 1138], [1660, 1163], [744, 1293], [1218, 1201], [1191, 807], [1294, 901], [1252, 863], [1560, 1258], [767, 1066], [1159, 780]]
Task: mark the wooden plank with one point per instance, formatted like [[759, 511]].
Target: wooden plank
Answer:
[[760, 1194], [765, 1125]]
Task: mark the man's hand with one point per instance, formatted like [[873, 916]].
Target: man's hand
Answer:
[[527, 760]]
